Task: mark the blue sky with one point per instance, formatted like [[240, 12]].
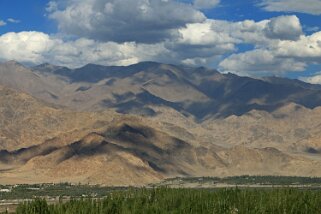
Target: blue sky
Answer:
[[31, 15], [253, 37]]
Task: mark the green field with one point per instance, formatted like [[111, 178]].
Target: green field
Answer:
[[166, 200], [262, 195]]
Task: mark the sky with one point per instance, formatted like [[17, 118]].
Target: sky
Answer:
[[248, 37]]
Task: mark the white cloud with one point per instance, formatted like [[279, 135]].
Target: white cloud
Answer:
[[37, 47], [25, 46], [308, 48], [284, 28], [261, 33], [52, 6], [206, 4], [260, 62], [200, 44], [11, 20], [143, 21], [177, 32], [204, 34], [277, 45], [281, 56], [302, 6], [247, 31], [316, 79], [2, 23], [84, 51]]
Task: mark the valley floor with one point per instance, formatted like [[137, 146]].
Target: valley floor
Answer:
[[256, 194], [182, 200]]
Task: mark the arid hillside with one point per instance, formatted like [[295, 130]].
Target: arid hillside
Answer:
[[44, 143], [198, 92]]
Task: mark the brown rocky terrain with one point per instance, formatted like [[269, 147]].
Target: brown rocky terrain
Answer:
[[46, 139], [114, 149]]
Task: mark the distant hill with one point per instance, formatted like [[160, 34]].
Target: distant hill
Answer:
[[200, 92]]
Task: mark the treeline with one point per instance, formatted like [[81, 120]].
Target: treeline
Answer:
[[166, 200], [246, 179]]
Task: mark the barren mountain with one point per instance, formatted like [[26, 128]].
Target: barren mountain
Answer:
[[200, 92], [26, 121], [48, 144], [129, 153], [16, 76], [60, 124]]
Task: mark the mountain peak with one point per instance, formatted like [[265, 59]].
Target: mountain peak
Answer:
[[12, 63], [92, 65], [46, 65], [148, 63]]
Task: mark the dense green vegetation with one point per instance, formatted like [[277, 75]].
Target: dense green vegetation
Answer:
[[166, 200], [68, 190], [158, 198]]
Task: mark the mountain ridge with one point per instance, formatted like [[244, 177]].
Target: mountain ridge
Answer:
[[153, 121], [207, 92]]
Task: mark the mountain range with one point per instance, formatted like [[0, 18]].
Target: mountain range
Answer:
[[138, 124]]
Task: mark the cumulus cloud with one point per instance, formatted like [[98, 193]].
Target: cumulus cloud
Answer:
[[83, 51], [24, 46], [37, 47], [260, 62], [206, 4], [284, 28], [306, 6], [2, 23], [308, 48], [261, 33], [281, 56], [279, 46], [247, 31], [204, 33], [178, 32], [142, 21], [124, 32], [200, 44], [203, 43]]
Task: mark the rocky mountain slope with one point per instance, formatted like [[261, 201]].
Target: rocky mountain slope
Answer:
[[25, 121], [249, 126], [200, 92], [47, 144]]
